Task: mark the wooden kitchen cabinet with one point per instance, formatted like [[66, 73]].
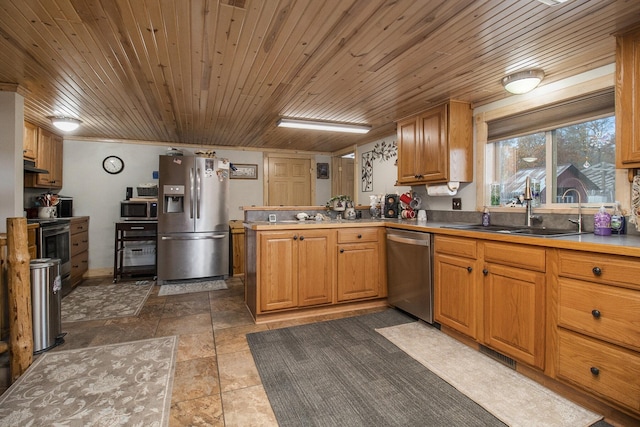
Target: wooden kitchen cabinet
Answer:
[[49, 157], [361, 269], [627, 99], [597, 334], [436, 146], [514, 301], [30, 141], [295, 268], [79, 249], [456, 283]]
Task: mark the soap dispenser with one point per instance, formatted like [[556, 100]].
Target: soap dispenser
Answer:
[[602, 223], [486, 217]]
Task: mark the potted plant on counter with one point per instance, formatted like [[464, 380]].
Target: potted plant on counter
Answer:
[[338, 203]]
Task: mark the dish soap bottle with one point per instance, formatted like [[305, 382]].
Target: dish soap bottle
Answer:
[[486, 217], [617, 220], [602, 223]]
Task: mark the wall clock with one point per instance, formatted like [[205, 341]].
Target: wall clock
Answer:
[[113, 164]]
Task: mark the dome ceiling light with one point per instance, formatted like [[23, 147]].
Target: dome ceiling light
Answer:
[[65, 124], [522, 81]]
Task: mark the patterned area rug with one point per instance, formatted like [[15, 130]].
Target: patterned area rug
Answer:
[[509, 396], [173, 288], [105, 301], [125, 384]]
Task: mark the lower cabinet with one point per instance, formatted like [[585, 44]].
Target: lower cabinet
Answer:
[[294, 268], [504, 307], [361, 270], [79, 248]]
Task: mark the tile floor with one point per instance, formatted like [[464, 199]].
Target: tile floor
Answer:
[[216, 382]]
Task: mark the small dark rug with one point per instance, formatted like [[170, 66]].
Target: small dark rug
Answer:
[[343, 373]]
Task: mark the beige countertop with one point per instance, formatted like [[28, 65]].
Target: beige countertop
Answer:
[[616, 244]]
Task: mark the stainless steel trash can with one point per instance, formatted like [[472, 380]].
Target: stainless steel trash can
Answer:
[[46, 300]]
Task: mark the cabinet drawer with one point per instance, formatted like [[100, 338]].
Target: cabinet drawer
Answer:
[[79, 226], [521, 256], [605, 369], [467, 248], [79, 264], [79, 242], [356, 235], [607, 269], [605, 312]]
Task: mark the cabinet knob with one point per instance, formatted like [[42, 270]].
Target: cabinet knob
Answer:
[[597, 271], [595, 371], [595, 313], [301, 237], [469, 269], [359, 236], [485, 271], [341, 251], [295, 237]]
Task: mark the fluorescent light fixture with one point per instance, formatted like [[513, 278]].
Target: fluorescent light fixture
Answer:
[[552, 2], [327, 126], [66, 124], [523, 81]]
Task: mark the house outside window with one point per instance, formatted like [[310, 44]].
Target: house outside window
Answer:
[[567, 145]]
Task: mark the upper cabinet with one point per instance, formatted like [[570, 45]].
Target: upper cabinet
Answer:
[[48, 157], [628, 99], [436, 146], [30, 141]]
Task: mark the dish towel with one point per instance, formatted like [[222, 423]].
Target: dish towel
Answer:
[[634, 216]]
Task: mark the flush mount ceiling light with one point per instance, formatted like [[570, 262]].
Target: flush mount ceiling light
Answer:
[[327, 126], [523, 81], [66, 124]]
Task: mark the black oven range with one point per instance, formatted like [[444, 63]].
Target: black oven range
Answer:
[[53, 239]]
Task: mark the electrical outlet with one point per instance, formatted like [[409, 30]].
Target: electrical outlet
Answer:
[[456, 204]]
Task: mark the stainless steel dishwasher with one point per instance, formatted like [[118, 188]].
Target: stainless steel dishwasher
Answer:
[[409, 272]]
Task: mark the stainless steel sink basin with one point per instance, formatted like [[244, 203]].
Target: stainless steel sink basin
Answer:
[[505, 229]]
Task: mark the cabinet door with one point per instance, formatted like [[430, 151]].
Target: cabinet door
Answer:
[[55, 172], [514, 318], [49, 157], [628, 100], [278, 279], [30, 141], [358, 271], [407, 149], [315, 267], [455, 292], [432, 156]]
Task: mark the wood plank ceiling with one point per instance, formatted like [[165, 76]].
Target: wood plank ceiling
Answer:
[[221, 73]]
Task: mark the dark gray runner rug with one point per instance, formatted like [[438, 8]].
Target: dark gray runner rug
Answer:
[[343, 373]]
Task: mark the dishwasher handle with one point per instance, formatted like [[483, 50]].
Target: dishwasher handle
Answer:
[[407, 240]]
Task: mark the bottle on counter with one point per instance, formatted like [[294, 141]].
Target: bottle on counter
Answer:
[[617, 220], [602, 223], [486, 217]]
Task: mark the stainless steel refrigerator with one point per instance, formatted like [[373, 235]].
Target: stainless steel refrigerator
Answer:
[[193, 218]]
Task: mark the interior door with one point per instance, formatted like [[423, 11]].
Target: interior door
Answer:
[[343, 176], [289, 181]]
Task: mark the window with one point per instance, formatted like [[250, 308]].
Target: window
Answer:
[[569, 145]]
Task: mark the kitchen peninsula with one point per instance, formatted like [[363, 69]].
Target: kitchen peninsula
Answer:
[[564, 308]]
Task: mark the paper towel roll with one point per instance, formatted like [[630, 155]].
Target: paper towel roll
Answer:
[[448, 189]]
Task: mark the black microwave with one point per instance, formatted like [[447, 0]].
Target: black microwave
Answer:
[[139, 210]]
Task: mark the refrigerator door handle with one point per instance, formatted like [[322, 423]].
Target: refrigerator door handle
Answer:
[[215, 236], [191, 195], [198, 192]]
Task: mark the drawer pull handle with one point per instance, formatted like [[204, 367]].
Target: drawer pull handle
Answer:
[[469, 269], [595, 313], [595, 371], [485, 271], [597, 271]]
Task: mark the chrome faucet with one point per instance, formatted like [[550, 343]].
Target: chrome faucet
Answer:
[[579, 220], [528, 198]]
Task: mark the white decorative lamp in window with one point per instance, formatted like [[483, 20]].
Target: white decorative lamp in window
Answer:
[[522, 81], [66, 124]]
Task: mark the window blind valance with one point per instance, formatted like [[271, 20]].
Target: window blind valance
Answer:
[[553, 116]]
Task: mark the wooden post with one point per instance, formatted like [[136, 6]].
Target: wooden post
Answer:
[[19, 281]]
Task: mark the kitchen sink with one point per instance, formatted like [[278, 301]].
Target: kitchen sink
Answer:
[[506, 229]]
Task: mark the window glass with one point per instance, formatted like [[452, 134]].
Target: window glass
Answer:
[[584, 160]]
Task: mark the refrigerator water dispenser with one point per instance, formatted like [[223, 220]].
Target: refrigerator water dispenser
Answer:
[[173, 198]]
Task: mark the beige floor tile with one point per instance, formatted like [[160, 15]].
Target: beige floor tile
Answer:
[[185, 308], [205, 411], [248, 407], [194, 379], [185, 325], [231, 340], [195, 346], [230, 319], [237, 370]]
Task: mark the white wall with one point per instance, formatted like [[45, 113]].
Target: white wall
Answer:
[[97, 194], [11, 175], [385, 171]]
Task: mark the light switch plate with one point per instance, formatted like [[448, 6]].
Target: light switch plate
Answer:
[[456, 204]]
